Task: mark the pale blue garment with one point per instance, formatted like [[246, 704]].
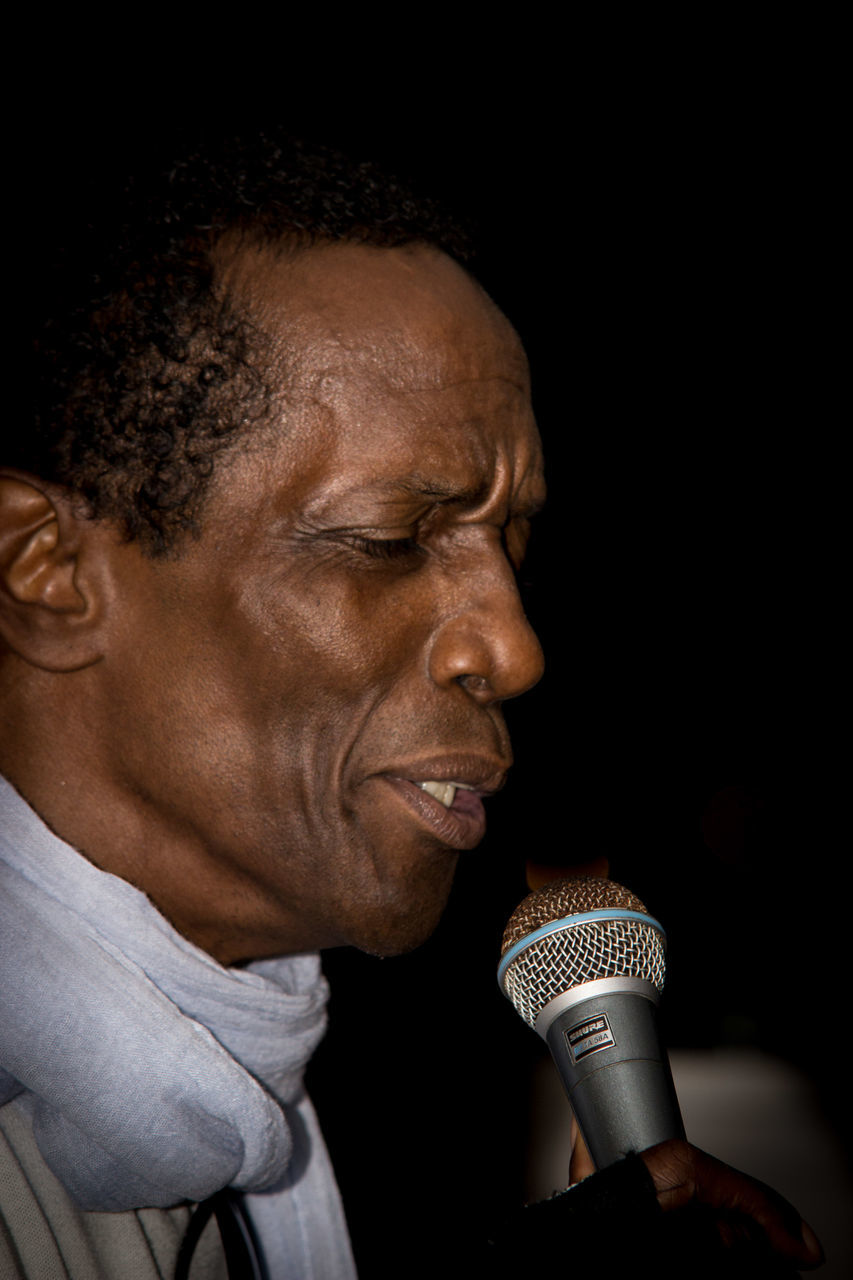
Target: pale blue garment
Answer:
[[154, 1074]]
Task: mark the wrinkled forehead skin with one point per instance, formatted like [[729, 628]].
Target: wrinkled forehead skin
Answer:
[[366, 338], [365, 300]]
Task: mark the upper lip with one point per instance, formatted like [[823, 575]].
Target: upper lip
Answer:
[[483, 774]]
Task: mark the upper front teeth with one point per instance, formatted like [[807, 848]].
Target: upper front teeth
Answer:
[[444, 792]]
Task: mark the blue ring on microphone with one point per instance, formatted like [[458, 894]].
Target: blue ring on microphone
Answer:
[[585, 917]]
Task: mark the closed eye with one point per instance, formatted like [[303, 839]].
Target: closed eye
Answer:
[[387, 548]]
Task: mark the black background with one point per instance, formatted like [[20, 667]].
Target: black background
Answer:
[[661, 236]]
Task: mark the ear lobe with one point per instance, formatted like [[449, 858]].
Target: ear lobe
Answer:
[[47, 605]]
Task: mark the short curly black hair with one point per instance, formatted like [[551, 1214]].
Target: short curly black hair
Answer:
[[145, 372]]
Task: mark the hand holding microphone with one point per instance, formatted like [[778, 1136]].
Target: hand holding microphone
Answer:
[[583, 962]]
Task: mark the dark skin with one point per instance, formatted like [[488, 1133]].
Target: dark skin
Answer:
[[243, 730], [684, 1176], [261, 709]]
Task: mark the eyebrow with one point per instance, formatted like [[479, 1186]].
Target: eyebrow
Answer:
[[424, 488]]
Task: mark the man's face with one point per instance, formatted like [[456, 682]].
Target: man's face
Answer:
[[305, 703]]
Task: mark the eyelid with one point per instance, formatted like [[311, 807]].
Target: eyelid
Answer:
[[386, 548]]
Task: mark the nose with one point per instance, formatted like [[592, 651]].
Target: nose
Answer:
[[487, 645]]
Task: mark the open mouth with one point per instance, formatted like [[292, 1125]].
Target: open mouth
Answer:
[[451, 810], [444, 792]]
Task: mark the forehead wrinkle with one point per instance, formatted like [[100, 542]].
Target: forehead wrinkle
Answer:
[[494, 490], [325, 349], [331, 352], [315, 365], [346, 392], [373, 372], [415, 329]]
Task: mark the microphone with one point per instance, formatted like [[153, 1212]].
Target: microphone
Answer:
[[583, 963]]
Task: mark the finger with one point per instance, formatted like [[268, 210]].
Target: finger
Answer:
[[682, 1173], [581, 1165], [787, 1234]]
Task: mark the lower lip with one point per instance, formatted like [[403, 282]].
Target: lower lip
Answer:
[[462, 826]]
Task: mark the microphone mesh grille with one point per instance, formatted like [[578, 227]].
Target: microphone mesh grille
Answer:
[[578, 953]]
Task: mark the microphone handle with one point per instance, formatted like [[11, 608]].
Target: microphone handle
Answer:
[[616, 1072]]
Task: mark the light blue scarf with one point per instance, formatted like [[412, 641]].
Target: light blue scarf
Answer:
[[153, 1074]]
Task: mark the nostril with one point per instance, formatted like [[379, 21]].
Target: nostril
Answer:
[[474, 684]]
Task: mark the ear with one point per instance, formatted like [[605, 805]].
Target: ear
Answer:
[[51, 602]]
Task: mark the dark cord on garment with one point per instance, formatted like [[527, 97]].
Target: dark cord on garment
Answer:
[[242, 1254]]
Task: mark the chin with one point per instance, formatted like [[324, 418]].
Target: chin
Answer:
[[402, 922]]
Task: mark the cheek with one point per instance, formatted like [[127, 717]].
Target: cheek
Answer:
[[340, 633]]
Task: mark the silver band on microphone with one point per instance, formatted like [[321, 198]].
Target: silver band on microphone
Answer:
[[589, 991]]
